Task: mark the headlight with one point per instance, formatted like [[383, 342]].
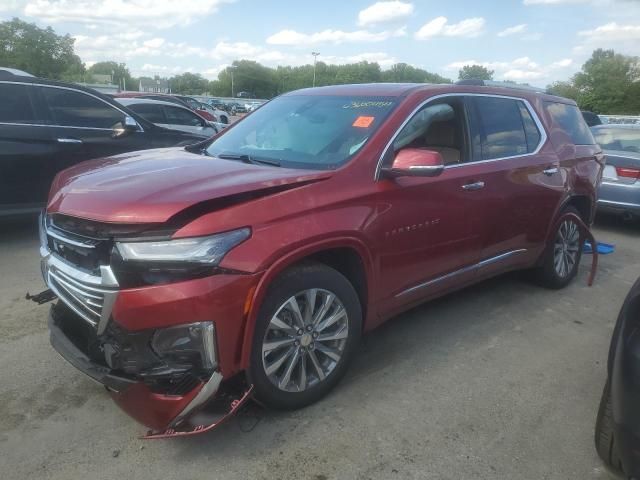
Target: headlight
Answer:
[[201, 250], [191, 344]]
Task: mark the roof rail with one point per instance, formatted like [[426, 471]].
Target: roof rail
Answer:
[[491, 83]]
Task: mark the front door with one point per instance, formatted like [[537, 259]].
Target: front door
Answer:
[[430, 229]]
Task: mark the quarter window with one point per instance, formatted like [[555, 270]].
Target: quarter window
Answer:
[[76, 109], [15, 106], [502, 132], [569, 118]]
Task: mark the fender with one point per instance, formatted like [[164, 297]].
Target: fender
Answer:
[[291, 258]]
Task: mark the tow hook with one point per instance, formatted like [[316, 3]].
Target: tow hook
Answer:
[[43, 297]]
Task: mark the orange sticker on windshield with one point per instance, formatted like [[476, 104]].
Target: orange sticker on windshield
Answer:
[[363, 122]]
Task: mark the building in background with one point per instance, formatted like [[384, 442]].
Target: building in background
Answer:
[[154, 85]]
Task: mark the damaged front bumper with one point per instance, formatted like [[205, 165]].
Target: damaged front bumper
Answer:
[[169, 400]]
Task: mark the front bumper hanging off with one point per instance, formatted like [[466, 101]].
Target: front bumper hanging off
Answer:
[[198, 410]]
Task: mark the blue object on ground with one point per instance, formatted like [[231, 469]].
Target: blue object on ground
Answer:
[[603, 248]]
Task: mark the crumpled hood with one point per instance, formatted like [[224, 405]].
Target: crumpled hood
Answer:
[[151, 186]]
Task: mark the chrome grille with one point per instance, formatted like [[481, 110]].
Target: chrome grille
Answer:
[[89, 294]]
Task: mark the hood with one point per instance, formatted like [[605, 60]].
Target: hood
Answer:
[[152, 186]]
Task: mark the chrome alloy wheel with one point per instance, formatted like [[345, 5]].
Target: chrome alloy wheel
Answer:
[[566, 248], [305, 340]]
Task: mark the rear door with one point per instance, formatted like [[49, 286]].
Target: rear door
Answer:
[[27, 150], [523, 184]]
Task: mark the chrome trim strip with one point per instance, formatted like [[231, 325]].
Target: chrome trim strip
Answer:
[[62, 238], [532, 112], [204, 395], [107, 279], [467, 269], [635, 184], [620, 204]]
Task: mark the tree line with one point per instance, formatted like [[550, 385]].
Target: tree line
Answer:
[[608, 82]]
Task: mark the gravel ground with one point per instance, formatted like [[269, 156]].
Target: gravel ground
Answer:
[[501, 380]]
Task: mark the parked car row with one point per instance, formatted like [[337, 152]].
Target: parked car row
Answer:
[[47, 126]]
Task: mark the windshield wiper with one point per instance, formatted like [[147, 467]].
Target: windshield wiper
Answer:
[[248, 159]]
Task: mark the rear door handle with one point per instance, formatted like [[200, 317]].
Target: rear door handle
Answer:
[[551, 171], [70, 140], [473, 186]]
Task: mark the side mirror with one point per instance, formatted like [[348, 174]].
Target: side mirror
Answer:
[[415, 162], [127, 126]]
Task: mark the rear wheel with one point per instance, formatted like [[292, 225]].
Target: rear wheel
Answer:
[[563, 254], [605, 439], [305, 336]]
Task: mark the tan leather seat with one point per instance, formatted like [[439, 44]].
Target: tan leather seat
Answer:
[[441, 138]]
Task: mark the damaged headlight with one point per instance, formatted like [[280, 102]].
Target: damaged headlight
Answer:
[[165, 261], [202, 250], [191, 344]]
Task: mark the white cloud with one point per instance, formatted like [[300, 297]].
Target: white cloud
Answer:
[[336, 37], [382, 58], [553, 2], [513, 30], [440, 26], [150, 13], [564, 63], [384, 12], [522, 69], [612, 32]]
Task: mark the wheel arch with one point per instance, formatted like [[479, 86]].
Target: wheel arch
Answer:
[[347, 255]]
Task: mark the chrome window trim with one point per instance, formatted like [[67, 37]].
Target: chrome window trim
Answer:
[[469, 268], [34, 84], [527, 104]]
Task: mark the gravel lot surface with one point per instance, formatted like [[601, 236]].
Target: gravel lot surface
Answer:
[[501, 380]]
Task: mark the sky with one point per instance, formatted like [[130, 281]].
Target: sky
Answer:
[[534, 41]]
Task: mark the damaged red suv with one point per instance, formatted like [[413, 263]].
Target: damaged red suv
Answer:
[[251, 264]]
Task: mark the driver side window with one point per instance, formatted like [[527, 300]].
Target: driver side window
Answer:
[[439, 126]]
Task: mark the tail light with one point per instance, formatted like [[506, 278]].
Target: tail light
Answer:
[[628, 172]]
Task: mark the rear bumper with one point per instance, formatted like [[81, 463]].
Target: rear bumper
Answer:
[[619, 197]]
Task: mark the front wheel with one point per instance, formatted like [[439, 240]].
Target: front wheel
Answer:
[[562, 256], [305, 335]]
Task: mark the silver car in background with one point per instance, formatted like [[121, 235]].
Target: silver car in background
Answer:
[[170, 115], [620, 188]]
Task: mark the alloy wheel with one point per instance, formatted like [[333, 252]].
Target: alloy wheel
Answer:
[[305, 340], [566, 248]]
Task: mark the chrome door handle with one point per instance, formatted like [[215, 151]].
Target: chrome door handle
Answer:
[[551, 171], [69, 140], [473, 186]]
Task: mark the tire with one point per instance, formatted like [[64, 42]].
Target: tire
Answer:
[[605, 438], [324, 361], [224, 119], [550, 274]]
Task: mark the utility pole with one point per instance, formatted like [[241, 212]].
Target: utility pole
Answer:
[[315, 57], [231, 69]]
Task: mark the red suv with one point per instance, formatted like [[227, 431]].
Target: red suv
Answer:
[[253, 262]]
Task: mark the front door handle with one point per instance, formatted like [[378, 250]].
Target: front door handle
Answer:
[[70, 140], [550, 171], [473, 186]]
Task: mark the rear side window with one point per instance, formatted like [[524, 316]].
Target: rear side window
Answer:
[[180, 116], [76, 109], [531, 131], [15, 106], [502, 132], [569, 118], [153, 113]]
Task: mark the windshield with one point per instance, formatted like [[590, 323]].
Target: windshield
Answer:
[[625, 139], [306, 131]]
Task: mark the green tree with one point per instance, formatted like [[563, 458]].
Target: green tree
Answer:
[[38, 51], [189, 84], [249, 76], [403, 73], [564, 89], [478, 72], [118, 71]]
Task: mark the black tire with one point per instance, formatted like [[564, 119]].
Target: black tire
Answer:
[[605, 438], [546, 274], [288, 284], [224, 119]]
